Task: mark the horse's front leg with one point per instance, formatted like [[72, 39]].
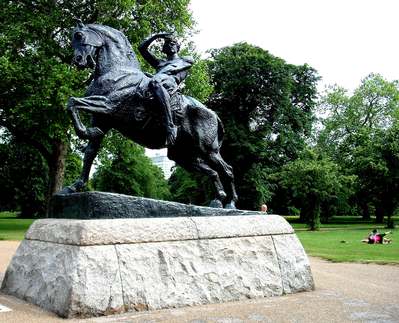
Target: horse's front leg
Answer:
[[93, 104], [90, 154]]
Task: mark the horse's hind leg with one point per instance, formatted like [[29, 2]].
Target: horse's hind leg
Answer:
[[200, 166], [226, 172]]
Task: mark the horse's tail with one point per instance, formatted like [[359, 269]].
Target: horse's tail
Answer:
[[220, 131]]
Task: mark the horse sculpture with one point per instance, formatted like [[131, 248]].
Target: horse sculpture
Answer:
[[118, 98]]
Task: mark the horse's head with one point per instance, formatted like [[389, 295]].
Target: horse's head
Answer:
[[85, 42]]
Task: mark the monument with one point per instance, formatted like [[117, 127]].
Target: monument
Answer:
[[102, 253], [147, 109]]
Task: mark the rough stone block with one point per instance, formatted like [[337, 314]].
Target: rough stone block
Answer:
[[68, 280], [294, 264], [83, 268], [198, 272]]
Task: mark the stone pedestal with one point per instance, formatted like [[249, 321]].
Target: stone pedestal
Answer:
[[83, 268]]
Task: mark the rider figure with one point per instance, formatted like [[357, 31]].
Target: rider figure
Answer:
[[170, 72]]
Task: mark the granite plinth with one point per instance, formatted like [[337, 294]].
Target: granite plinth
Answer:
[[84, 268]]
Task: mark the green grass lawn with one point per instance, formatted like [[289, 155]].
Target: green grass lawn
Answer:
[[12, 228], [340, 240]]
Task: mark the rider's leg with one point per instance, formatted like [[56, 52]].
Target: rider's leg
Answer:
[[163, 99]]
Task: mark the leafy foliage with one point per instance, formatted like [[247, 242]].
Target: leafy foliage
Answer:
[[198, 84], [125, 169], [22, 179], [189, 188]]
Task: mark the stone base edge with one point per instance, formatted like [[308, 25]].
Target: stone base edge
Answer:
[[86, 281]]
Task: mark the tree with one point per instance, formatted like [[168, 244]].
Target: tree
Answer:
[[313, 183], [376, 163], [266, 106], [358, 135], [198, 84], [35, 55]]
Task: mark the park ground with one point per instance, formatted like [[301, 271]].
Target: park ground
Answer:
[[361, 291]]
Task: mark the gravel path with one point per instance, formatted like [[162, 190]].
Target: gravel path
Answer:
[[344, 293]]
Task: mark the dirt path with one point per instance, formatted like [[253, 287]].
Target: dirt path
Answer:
[[344, 293]]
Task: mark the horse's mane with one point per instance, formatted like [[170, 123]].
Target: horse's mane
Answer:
[[119, 38]]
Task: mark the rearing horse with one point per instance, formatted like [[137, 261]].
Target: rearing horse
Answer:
[[118, 97]]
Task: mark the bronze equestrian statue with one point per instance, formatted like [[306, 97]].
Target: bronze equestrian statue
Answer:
[[147, 109]]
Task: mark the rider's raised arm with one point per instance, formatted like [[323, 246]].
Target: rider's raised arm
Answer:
[[147, 55]]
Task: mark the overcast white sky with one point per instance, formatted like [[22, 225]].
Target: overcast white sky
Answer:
[[344, 40]]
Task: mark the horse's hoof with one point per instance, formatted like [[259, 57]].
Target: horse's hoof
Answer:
[[75, 187], [71, 103], [231, 205], [222, 195], [94, 132], [216, 204], [66, 190]]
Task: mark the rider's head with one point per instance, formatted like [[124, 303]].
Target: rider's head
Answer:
[[171, 46]]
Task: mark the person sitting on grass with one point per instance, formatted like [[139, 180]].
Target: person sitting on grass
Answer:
[[376, 237]]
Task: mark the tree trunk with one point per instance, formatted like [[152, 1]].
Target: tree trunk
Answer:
[[389, 209], [390, 222], [365, 211], [303, 215], [314, 223], [56, 167], [379, 215]]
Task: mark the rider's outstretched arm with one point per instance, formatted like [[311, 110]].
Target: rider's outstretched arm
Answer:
[[147, 55], [173, 69]]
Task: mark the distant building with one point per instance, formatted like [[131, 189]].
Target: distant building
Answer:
[[160, 159]]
